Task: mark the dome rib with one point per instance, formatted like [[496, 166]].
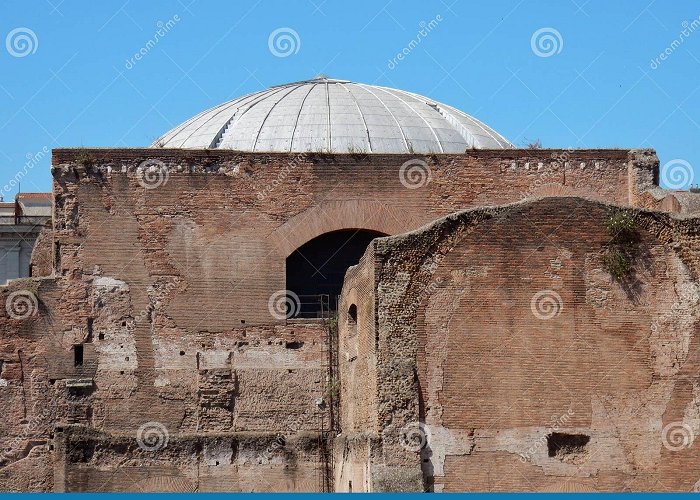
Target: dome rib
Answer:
[[338, 117], [236, 118], [398, 125], [362, 117], [262, 124], [222, 130], [437, 139], [296, 122]]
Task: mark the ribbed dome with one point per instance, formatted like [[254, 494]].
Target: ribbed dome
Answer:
[[335, 116]]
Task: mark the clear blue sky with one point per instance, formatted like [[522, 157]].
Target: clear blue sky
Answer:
[[72, 85]]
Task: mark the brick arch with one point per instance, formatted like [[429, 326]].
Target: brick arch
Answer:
[[338, 215]]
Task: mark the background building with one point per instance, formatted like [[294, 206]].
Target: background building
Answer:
[[20, 224]]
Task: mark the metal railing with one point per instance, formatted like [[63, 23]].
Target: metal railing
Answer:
[[309, 306], [30, 220]]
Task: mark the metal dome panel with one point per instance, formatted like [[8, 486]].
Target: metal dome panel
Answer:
[[336, 116]]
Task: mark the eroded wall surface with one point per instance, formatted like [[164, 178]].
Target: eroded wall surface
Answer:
[[156, 321], [511, 358]]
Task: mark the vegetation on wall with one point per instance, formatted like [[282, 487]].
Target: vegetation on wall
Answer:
[[619, 253]]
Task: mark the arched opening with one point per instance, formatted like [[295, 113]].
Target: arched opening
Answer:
[[317, 268], [352, 320], [352, 314]]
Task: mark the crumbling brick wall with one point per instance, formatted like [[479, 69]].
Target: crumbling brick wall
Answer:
[[510, 357], [158, 308]]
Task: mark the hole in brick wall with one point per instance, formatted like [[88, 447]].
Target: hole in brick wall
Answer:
[[78, 355], [182, 353], [89, 329], [217, 462], [101, 336], [121, 372], [349, 486], [242, 322], [123, 323], [352, 314], [560, 444], [293, 345]]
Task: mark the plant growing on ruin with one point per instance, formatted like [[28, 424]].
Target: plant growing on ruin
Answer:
[[333, 388], [618, 256], [85, 159], [617, 263], [622, 227]]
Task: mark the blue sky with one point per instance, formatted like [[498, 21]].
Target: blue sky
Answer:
[[66, 79]]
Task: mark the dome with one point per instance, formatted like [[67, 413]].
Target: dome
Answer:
[[334, 116]]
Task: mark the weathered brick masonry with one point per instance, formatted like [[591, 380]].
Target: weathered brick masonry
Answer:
[[508, 357], [156, 313]]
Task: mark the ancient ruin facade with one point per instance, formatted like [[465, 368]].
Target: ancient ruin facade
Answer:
[[175, 337]]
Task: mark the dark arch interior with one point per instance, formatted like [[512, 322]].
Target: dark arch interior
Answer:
[[317, 268]]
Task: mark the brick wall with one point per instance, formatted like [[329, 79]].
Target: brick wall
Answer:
[[163, 279], [499, 327]]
